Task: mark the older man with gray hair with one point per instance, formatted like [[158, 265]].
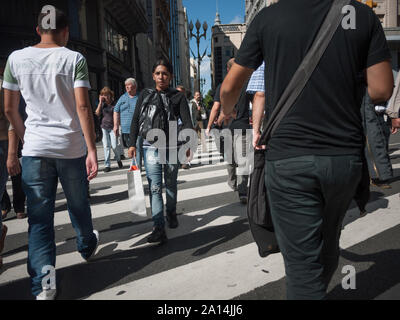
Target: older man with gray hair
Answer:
[[123, 114]]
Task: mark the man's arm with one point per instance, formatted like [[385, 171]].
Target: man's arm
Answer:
[[84, 111], [11, 103], [213, 115], [380, 81], [258, 113], [232, 86], [13, 165], [117, 123]]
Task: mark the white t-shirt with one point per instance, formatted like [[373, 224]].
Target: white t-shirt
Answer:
[[47, 78]]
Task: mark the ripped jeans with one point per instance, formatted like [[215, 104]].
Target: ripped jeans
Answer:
[[154, 173]]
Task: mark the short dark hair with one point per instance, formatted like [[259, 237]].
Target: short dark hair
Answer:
[[165, 63], [61, 22]]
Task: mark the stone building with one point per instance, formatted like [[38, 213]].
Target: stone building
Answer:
[[102, 30], [225, 42]]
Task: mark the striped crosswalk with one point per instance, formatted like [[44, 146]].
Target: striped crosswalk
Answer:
[[210, 256]]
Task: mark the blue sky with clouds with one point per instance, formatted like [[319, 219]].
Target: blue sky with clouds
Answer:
[[231, 11]]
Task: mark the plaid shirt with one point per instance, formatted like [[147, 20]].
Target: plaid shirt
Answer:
[[256, 83]]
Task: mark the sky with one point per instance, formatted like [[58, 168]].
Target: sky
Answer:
[[231, 11]]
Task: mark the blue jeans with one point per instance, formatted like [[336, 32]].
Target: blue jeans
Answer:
[[110, 141], [40, 178], [3, 173], [154, 173]]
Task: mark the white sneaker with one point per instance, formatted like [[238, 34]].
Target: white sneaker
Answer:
[[96, 233], [47, 294]]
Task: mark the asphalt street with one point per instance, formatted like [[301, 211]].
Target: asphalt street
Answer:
[[211, 255]]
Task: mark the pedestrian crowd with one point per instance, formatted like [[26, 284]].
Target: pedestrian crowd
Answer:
[[339, 124]]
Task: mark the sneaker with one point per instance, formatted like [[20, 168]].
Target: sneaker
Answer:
[[243, 199], [172, 220], [107, 169], [120, 165], [3, 237], [96, 233], [158, 235], [47, 294]]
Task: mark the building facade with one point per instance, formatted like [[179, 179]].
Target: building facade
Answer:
[[102, 30], [225, 42], [184, 49]]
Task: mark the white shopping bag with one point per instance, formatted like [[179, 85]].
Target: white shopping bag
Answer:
[[137, 202]]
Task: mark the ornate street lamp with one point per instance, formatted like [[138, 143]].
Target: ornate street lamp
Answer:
[[198, 36]]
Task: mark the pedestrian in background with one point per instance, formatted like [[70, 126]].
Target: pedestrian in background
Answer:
[[3, 158], [182, 89], [14, 170], [123, 114], [105, 110], [55, 87]]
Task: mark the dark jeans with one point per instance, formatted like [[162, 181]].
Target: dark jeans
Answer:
[[40, 178], [3, 172], [18, 196], [309, 197]]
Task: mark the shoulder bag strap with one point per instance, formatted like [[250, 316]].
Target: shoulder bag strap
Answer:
[[306, 68]]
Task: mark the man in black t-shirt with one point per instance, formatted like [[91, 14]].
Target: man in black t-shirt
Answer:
[[313, 160], [238, 164]]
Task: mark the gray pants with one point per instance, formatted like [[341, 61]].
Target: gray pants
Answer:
[[309, 197], [238, 168]]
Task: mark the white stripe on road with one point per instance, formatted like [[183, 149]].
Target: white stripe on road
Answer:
[[229, 274]]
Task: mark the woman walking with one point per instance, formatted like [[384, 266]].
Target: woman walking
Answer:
[[152, 107], [105, 110]]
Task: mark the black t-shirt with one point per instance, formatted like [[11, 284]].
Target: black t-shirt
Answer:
[[217, 97], [178, 104], [326, 118], [242, 109]]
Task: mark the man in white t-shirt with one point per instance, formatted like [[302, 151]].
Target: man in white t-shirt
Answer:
[[54, 82]]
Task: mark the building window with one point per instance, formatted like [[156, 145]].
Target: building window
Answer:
[[216, 39], [117, 43]]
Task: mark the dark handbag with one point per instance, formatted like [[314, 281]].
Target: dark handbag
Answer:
[[258, 211]]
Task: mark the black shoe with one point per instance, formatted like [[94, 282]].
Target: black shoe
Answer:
[[107, 169], [120, 165], [243, 199], [123, 157], [172, 220], [158, 235]]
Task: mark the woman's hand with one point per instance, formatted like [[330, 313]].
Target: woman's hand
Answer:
[[132, 152]]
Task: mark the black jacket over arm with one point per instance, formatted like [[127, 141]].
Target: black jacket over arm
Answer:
[[178, 105]]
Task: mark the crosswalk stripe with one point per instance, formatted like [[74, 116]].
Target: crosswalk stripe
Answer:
[[229, 274]]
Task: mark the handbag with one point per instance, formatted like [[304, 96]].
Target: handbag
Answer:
[[258, 211], [137, 202]]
